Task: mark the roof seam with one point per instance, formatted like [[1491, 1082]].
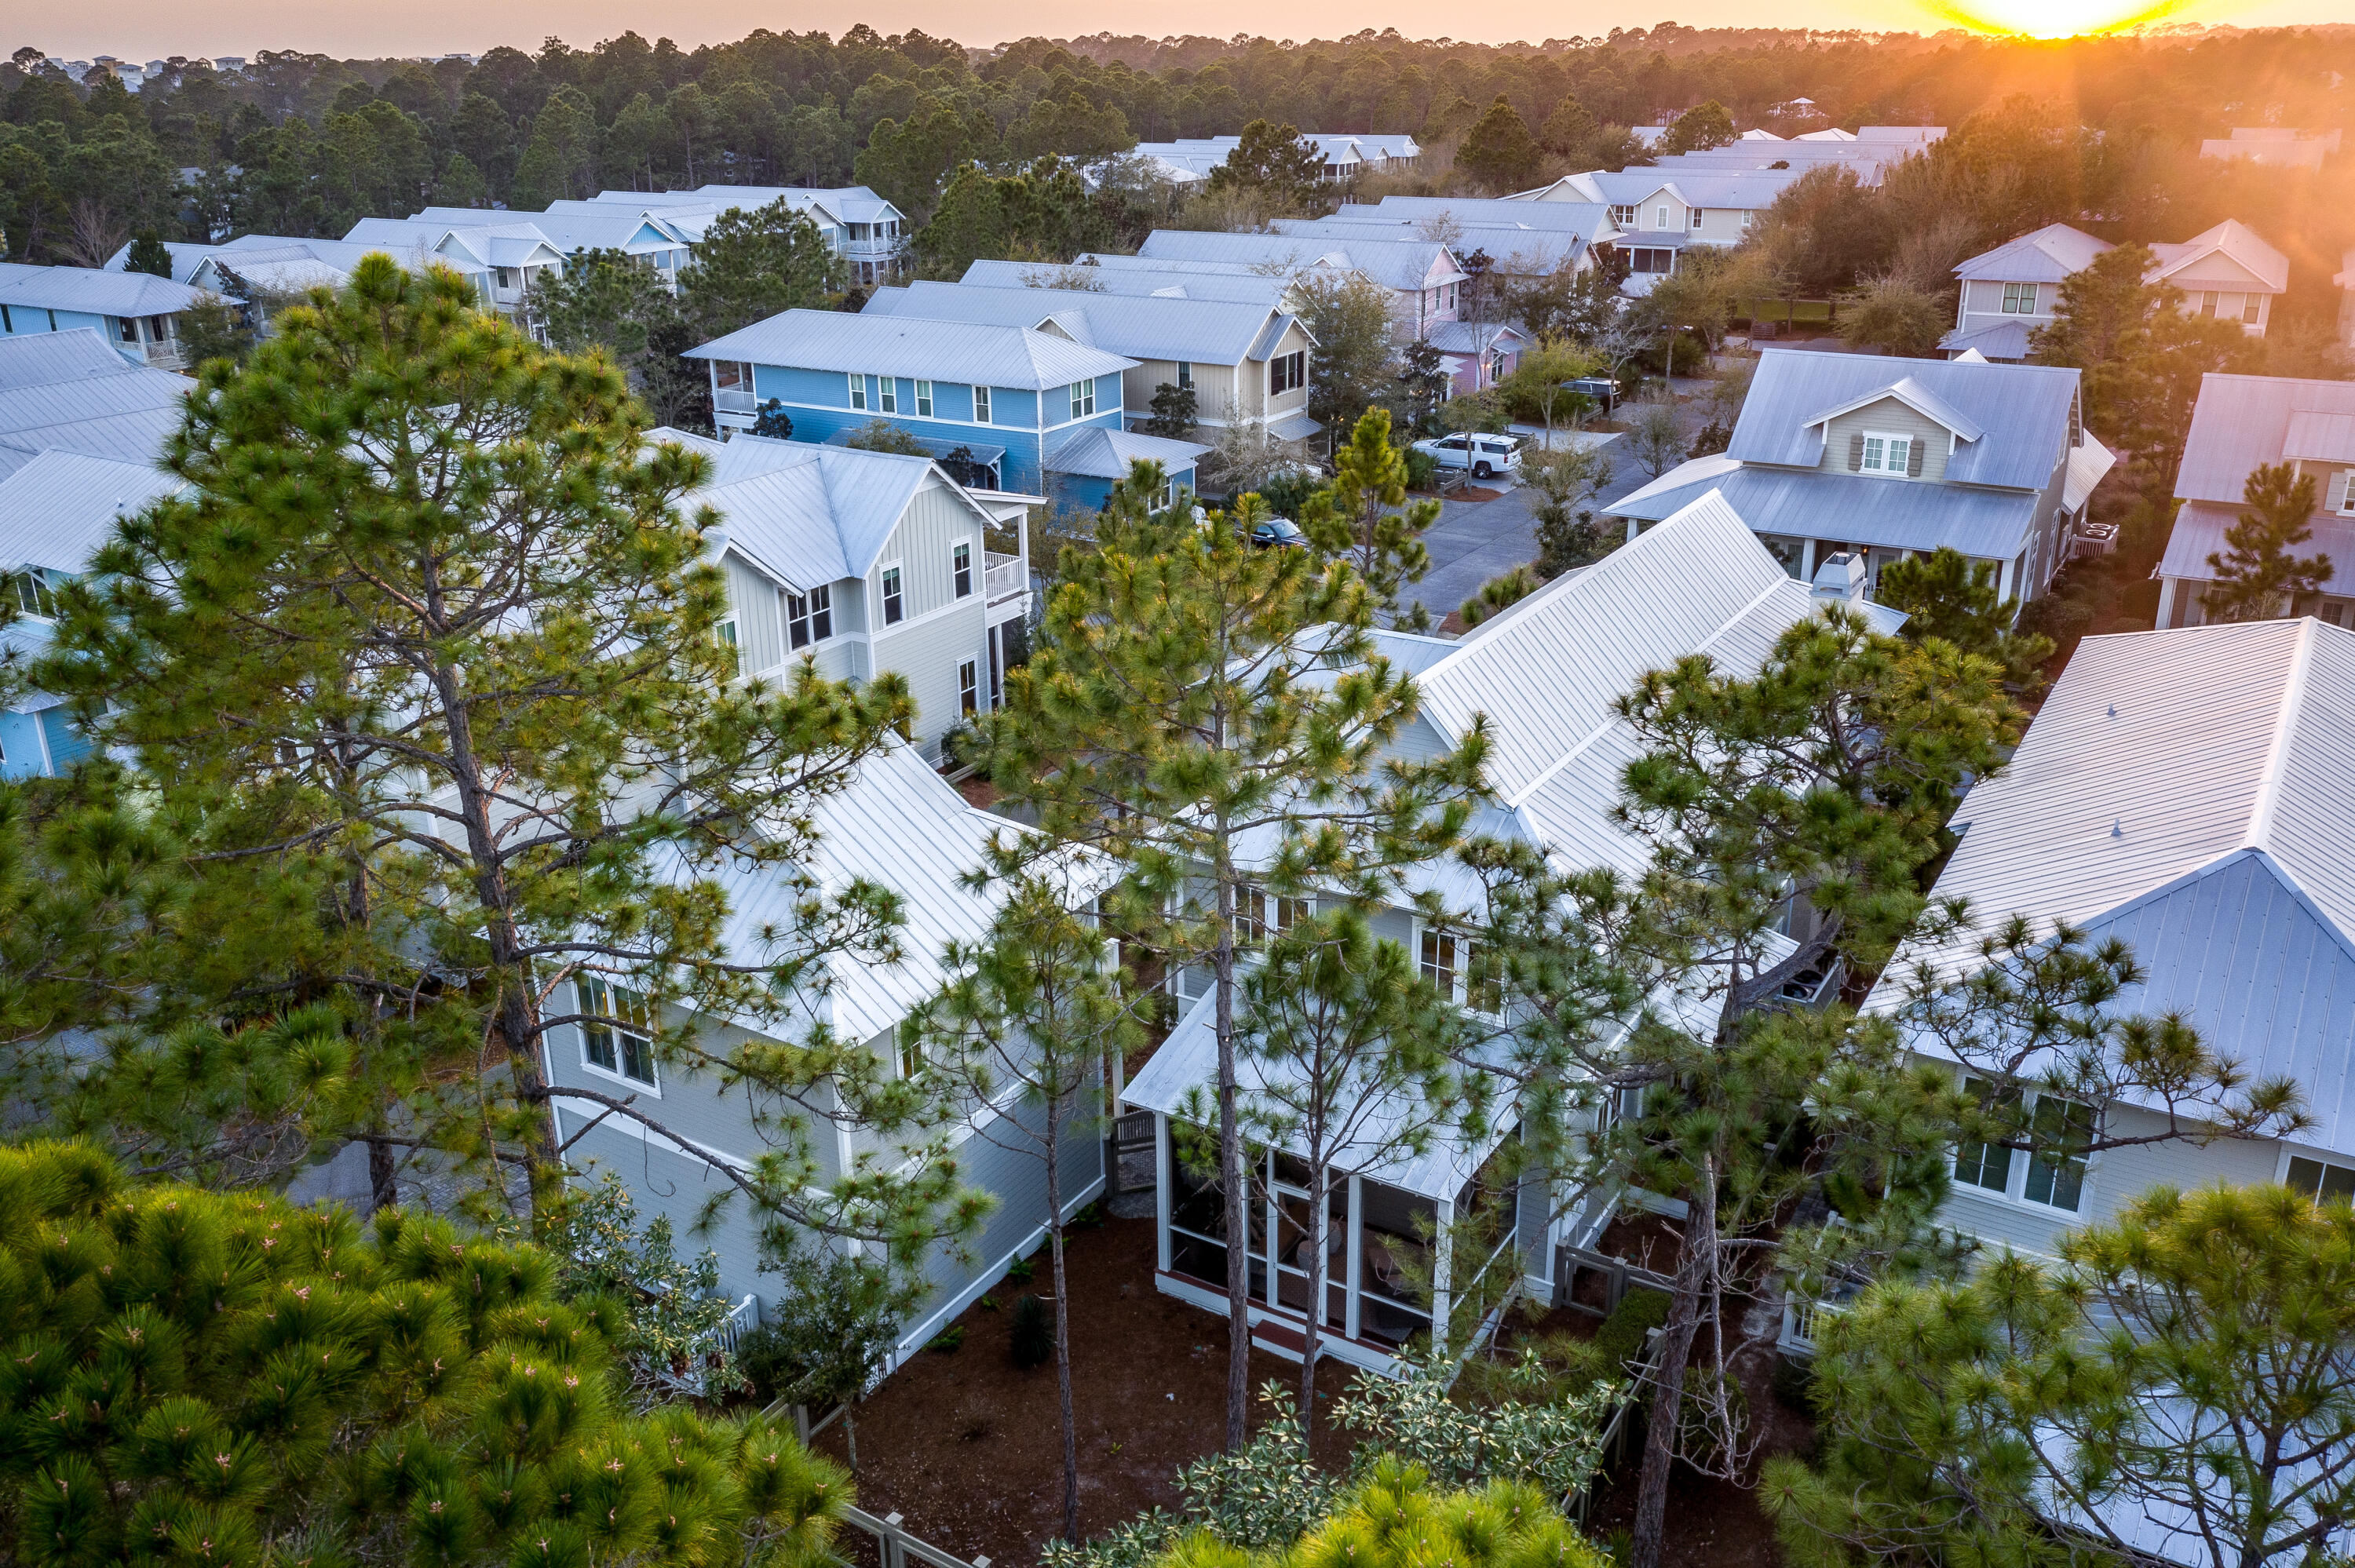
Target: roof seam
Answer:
[[2261, 819]]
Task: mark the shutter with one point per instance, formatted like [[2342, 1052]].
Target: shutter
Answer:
[[2345, 499], [1913, 459], [1856, 451]]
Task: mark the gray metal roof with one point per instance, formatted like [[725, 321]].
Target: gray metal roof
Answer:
[[1737, 189], [1850, 508], [915, 347], [2198, 533], [1102, 454], [91, 290], [609, 229], [1473, 337], [809, 514], [2004, 341], [1209, 331], [185, 259], [1481, 212], [1192, 284], [1404, 264], [2023, 410], [56, 391], [36, 359], [2048, 254], [58, 508], [2234, 240], [2194, 792], [2243, 422], [1521, 250]]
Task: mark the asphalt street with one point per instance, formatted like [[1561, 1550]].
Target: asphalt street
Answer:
[[1476, 540]]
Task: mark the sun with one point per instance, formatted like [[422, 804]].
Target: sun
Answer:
[[2053, 18]]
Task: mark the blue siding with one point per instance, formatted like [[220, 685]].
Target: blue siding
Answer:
[[1016, 407], [20, 745], [1086, 492], [68, 744], [816, 389], [22, 321]]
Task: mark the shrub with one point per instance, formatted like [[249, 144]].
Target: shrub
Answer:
[[1032, 1336]]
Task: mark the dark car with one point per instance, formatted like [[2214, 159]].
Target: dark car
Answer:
[[1279, 534], [1600, 390]]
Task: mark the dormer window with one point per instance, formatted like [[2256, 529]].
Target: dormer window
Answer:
[[33, 595], [1892, 457]]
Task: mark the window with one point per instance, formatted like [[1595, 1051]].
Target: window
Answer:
[[924, 399], [1886, 454], [2322, 1181], [1624, 216], [2060, 1130], [2208, 303], [7, 322], [969, 686], [1083, 399], [2020, 299], [859, 392], [1984, 1165], [911, 1049], [1442, 964], [1260, 914], [2250, 305], [888, 387], [1287, 373], [892, 607], [724, 633], [1184, 375], [616, 1034], [1695, 216], [809, 618], [506, 277], [1663, 219], [33, 596], [2342, 490], [981, 405], [960, 567], [127, 328]]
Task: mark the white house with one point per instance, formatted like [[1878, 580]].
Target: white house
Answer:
[[1422, 275], [2239, 424], [136, 313], [868, 232], [1345, 155], [2227, 271]]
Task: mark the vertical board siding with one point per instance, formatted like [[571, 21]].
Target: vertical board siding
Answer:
[[760, 640]]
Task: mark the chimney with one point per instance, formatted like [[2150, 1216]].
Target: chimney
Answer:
[[1839, 578]]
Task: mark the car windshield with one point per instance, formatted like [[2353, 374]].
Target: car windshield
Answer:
[[1279, 528]]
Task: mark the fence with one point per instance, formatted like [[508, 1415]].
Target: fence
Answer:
[[896, 1547], [1626, 1420], [1617, 1274]]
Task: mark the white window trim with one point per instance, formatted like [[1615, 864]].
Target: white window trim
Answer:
[[2345, 481], [887, 395], [2015, 1183], [882, 570], [981, 405], [1663, 213], [1885, 438], [857, 391], [973, 574], [969, 688], [611, 1075], [924, 399]]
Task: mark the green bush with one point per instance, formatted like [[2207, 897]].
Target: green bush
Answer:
[[1032, 1336], [1422, 469]]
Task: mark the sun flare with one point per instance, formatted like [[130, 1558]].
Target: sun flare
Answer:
[[2053, 18]]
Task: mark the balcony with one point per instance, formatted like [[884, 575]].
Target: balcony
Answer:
[[1004, 576], [734, 401]]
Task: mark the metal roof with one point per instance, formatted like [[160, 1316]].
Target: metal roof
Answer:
[[1209, 331], [1533, 250], [808, 514], [572, 228], [2242, 422], [2089, 463], [2004, 341], [60, 506], [2047, 255], [1473, 337], [2194, 792], [185, 259], [1403, 264], [1102, 454], [1483, 212], [38, 358], [2320, 436], [2022, 410], [1739, 189], [915, 347], [91, 290], [57, 391], [2198, 533], [1890, 514], [1905, 389], [1190, 284], [2234, 241]]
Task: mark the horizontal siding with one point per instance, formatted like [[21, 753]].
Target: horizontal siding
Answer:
[[1889, 417]]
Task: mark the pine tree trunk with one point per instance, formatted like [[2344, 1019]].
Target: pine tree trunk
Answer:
[[1694, 1276], [383, 1166], [1235, 1177], [1316, 1271], [850, 1431], [1062, 1326]]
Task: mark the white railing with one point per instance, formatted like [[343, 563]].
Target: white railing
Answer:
[[1005, 577], [1802, 1315], [734, 402]]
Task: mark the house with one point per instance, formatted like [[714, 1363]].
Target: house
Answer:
[[2274, 147], [1005, 397], [1869, 159], [2007, 294], [500, 259], [1882, 459], [70, 390], [1422, 275], [1245, 362], [868, 232], [136, 313], [1345, 156], [1131, 275], [1653, 208], [1477, 354], [2186, 792], [2239, 424], [654, 243], [867, 563], [55, 512], [1512, 249], [896, 825], [1545, 676]]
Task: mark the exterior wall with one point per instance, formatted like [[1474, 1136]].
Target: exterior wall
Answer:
[[2219, 286], [1721, 224], [142, 346], [1213, 403], [928, 652], [760, 622], [1981, 305], [1888, 417], [23, 752], [667, 1182]]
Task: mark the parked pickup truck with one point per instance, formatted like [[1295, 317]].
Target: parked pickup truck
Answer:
[[1486, 456]]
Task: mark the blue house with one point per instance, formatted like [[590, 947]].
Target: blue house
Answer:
[[1007, 402], [134, 311]]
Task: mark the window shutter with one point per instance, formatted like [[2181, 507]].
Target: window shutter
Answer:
[[1856, 451], [1914, 460], [2345, 499]]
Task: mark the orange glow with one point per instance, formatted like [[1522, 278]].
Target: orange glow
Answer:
[[2053, 18]]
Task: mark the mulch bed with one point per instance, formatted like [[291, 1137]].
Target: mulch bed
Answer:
[[1479, 493]]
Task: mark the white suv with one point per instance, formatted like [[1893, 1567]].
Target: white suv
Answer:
[[1486, 456]]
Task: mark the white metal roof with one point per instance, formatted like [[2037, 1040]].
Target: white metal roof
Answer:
[[1208, 332], [1192, 283], [1100, 452], [60, 506], [91, 290], [2236, 242], [2046, 254], [2192, 791], [920, 347], [2015, 417], [2242, 421], [808, 514], [1403, 264], [39, 358], [70, 390]]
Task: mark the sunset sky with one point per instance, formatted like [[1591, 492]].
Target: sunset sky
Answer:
[[143, 29]]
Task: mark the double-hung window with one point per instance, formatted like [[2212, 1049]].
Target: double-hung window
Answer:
[[2020, 299], [1447, 962], [1623, 217], [886, 389], [1694, 215], [1083, 399], [1984, 1165], [1287, 371], [724, 633], [960, 567], [1887, 454], [809, 618], [894, 606], [969, 686], [1663, 224], [2342, 492], [2053, 1173], [981, 405], [924, 399], [857, 391], [616, 1033], [2251, 307], [1184, 375], [1261, 915]]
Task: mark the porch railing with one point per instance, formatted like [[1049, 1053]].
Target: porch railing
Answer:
[[733, 402], [897, 1548], [1803, 1316], [1004, 577]]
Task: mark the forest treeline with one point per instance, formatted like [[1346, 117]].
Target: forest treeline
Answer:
[[302, 143]]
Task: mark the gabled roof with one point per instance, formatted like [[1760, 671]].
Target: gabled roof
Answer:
[[2242, 421], [1209, 332], [2047, 255], [184, 257], [1909, 391], [924, 347], [1745, 189], [1099, 452], [569, 229], [1482, 212], [1475, 337], [1530, 249], [1190, 284], [1991, 525], [36, 359], [60, 506], [2237, 243], [2200, 526], [806, 514], [2004, 341], [2022, 411], [91, 291], [1404, 264], [2194, 792], [55, 392]]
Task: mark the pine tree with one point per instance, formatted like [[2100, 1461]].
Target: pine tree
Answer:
[[1499, 152], [148, 255], [749, 266], [1212, 715], [1946, 594], [1273, 162], [1353, 519], [1697, 129], [429, 646], [2257, 578]]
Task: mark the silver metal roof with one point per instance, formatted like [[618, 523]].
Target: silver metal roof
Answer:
[[2047, 255], [1209, 331], [2022, 411], [36, 359], [2242, 422], [915, 347], [55, 390], [2194, 792], [809, 514], [91, 290], [60, 506], [1102, 454], [2198, 533], [1403, 264], [1484, 212], [2005, 341], [1890, 514], [1523, 250], [1192, 284]]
